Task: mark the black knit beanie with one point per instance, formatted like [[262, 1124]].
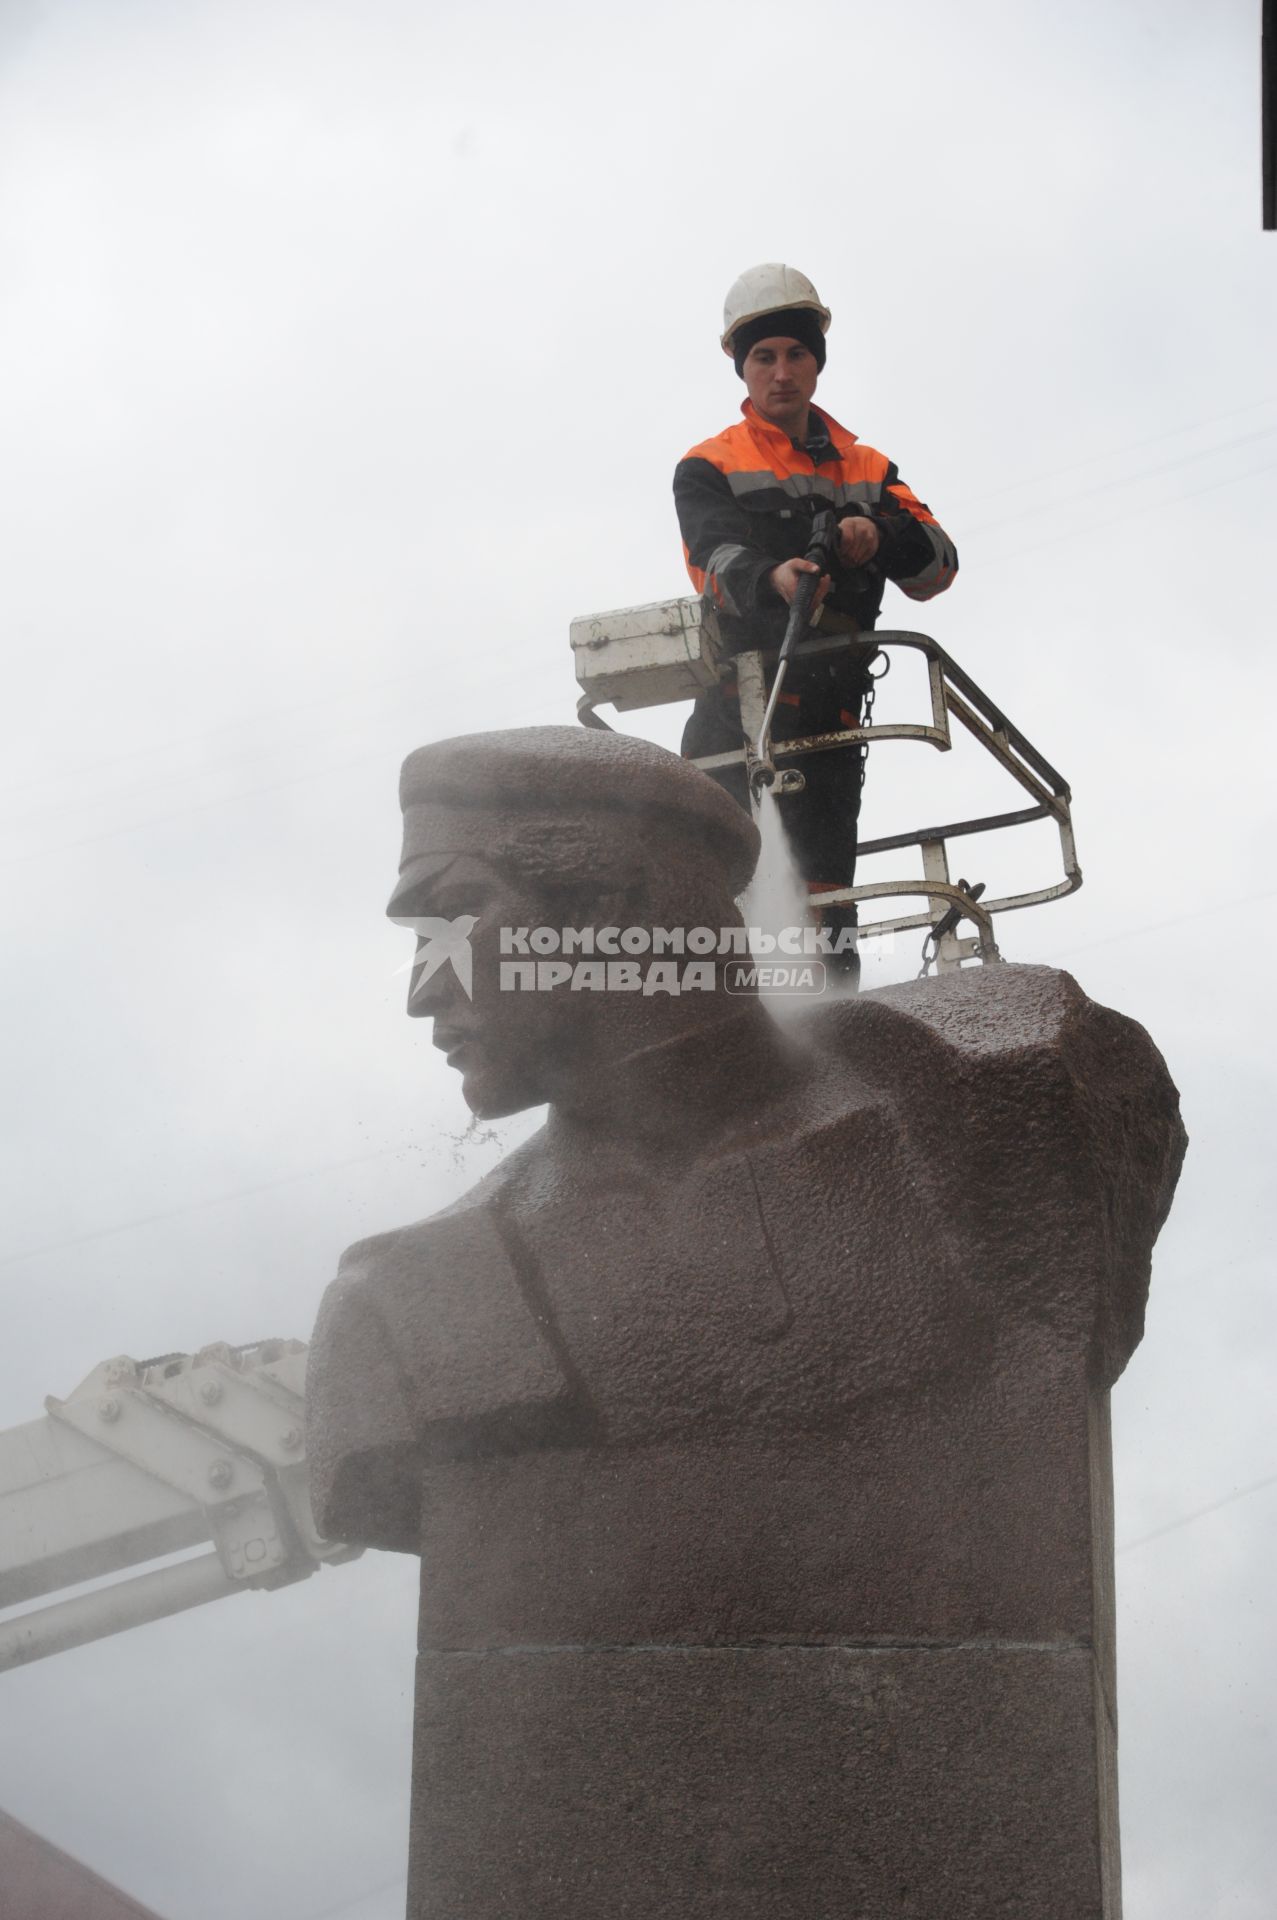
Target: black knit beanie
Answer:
[[790, 323]]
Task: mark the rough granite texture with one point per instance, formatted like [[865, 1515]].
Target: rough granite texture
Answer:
[[788, 1462], [752, 1783], [758, 1456]]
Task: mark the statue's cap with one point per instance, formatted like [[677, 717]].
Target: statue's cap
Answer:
[[570, 788]]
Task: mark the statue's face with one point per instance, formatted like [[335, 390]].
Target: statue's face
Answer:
[[511, 1047]]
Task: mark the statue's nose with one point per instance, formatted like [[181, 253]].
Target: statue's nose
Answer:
[[427, 989]]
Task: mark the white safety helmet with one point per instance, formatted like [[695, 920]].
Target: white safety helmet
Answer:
[[769, 289]]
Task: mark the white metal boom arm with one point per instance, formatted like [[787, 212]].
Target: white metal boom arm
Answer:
[[147, 1458]]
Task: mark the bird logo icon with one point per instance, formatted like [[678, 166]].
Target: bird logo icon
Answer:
[[441, 941]]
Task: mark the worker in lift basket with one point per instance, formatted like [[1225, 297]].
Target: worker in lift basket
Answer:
[[745, 501]]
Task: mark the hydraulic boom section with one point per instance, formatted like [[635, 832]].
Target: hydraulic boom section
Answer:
[[147, 1459]]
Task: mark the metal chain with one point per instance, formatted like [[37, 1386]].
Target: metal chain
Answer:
[[867, 707]]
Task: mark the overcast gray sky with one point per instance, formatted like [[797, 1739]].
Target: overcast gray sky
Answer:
[[347, 353]]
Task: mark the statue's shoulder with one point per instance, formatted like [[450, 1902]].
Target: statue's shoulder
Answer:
[[922, 1039], [457, 1310], [1009, 1080], [985, 1010], [428, 1344], [999, 1015]]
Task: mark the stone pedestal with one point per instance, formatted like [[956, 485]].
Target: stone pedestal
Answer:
[[751, 1782], [828, 1675]]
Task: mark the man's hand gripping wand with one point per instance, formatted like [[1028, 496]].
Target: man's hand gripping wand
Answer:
[[821, 549]]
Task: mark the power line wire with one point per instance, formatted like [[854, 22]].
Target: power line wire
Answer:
[[1124, 480], [42, 810], [194, 1206], [399, 1884], [1133, 446], [1160, 926], [1093, 534], [227, 726], [1200, 1513], [347, 692], [185, 775], [126, 1226], [178, 813], [1110, 528]]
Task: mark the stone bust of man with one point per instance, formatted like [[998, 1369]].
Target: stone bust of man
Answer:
[[766, 1339]]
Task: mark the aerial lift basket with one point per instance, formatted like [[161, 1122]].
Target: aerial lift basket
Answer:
[[671, 650]]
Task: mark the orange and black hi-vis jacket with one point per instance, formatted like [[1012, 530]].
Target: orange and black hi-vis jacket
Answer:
[[745, 501]]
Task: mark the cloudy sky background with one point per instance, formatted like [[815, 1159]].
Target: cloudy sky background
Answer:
[[347, 352]]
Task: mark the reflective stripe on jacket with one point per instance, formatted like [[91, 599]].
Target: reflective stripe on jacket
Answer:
[[745, 500]]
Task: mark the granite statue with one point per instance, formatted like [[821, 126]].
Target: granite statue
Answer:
[[751, 1419]]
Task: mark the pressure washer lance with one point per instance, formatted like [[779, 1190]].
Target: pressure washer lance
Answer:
[[821, 549]]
